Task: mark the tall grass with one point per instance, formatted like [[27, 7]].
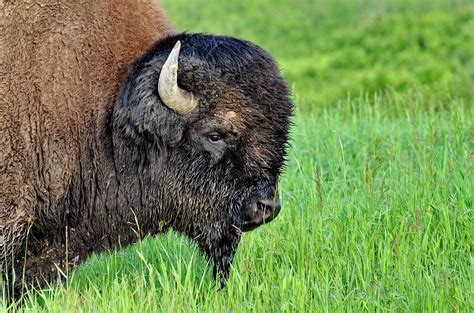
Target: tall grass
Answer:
[[378, 214], [378, 210]]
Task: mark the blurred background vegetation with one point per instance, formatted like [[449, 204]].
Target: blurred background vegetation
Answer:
[[330, 50]]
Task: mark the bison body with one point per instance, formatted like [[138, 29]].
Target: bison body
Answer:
[[94, 158]]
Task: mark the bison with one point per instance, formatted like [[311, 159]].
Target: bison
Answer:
[[114, 126]]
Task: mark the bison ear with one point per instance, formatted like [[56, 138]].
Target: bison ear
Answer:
[[140, 115]]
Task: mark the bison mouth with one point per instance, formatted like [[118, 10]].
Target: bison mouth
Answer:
[[260, 212]]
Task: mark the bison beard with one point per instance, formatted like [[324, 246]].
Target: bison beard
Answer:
[[208, 173]]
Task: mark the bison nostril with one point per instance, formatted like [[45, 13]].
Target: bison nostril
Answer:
[[271, 203], [270, 206], [261, 212]]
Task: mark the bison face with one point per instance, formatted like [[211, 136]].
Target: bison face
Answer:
[[233, 160], [211, 114], [238, 158]]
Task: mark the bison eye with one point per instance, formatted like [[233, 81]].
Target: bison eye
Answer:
[[214, 137]]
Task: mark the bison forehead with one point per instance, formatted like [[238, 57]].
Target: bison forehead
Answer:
[[229, 110], [230, 116], [231, 120]]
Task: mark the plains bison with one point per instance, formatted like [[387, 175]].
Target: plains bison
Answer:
[[114, 126]]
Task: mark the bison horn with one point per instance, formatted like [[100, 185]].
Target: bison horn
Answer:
[[175, 98]]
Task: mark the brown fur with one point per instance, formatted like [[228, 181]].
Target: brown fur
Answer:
[[61, 63]]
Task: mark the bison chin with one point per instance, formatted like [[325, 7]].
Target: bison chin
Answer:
[[262, 209]]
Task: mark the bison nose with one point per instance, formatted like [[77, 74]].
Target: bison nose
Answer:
[[270, 208], [261, 211]]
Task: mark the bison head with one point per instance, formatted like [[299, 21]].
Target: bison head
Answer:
[[204, 120]]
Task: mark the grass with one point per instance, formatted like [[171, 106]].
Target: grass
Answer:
[[378, 210], [330, 48]]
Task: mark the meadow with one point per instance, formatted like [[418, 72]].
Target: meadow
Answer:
[[378, 194]]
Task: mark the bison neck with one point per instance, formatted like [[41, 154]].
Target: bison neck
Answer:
[[61, 63], [113, 200]]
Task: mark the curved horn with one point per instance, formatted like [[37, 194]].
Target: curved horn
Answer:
[[172, 96]]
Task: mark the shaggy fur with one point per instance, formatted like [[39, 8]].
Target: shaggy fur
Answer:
[[80, 175]]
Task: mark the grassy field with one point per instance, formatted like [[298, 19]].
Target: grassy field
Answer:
[[378, 197]]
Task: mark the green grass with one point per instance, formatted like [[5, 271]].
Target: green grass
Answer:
[[330, 48], [378, 206]]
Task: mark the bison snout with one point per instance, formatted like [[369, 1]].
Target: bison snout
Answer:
[[261, 211]]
